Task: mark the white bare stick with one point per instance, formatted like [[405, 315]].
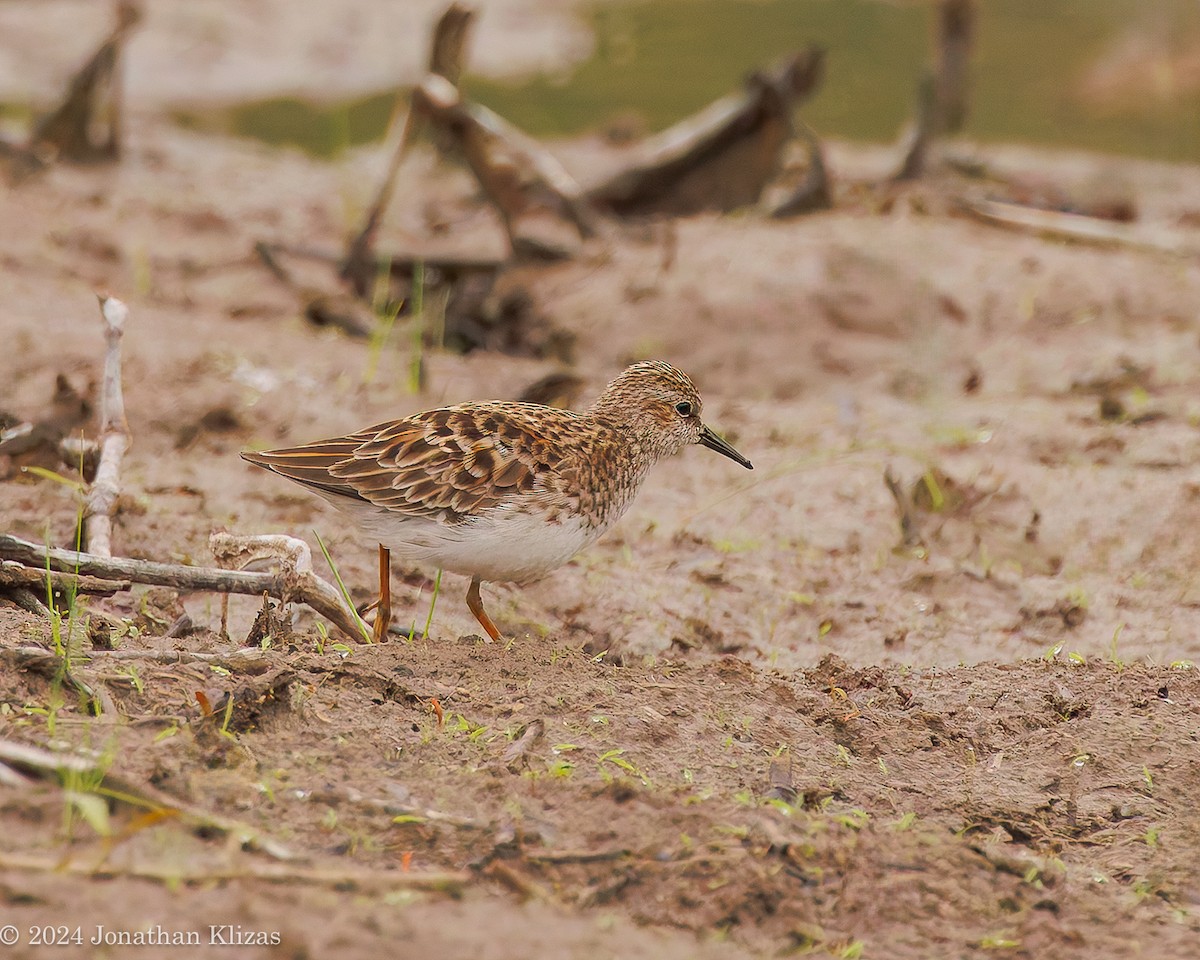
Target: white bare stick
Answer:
[[1083, 229], [114, 434], [294, 584], [295, 567], [358, 878]]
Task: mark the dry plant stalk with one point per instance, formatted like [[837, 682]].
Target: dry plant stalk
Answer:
[[114, 434]]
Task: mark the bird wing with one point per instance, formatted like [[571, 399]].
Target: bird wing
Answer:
[[447, 464]]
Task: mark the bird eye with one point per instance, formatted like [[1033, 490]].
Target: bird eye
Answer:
[[684, 408]]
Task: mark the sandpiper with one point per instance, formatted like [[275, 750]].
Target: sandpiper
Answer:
[[501, 490]]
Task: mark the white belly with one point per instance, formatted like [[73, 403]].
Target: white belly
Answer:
[[501, 546]]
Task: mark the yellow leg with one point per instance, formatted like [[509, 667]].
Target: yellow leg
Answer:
[[475, 604], [383, 615]]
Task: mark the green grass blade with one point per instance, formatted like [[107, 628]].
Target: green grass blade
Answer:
[[362, 624]]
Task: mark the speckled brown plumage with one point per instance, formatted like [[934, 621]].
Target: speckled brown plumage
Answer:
[[504, 490]]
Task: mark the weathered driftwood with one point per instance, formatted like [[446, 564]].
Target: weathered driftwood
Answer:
[[13, 574], [286, 585], [446, 57], [722, 157], [50, 765], [1083, 229], [86, 126], [814, 191], [243, 660], [534, 195], [170, 873], [49, 441], [956, 38], [114, 435]]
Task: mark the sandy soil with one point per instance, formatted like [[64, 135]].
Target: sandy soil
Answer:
[[751, 721]]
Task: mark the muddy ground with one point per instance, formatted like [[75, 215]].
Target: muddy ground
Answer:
[[751, 721]]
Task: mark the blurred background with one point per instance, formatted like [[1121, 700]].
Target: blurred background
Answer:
[[1120, 76]]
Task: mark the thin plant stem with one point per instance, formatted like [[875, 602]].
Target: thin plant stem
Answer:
[[362, 625], [437, 586]]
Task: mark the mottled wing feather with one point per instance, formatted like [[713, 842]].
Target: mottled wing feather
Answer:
[[446, 464], [310, 464]]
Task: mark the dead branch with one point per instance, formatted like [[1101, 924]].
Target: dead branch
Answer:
[[28, 601], [286, 585], [14, 574], [92, 104], [814, 192], [446, 57], [530, 189], [245, 660], [722, 157], [1083, 229], [358, 878], [578, 856], [956, 37], [530, 734], [239, 709], [295, 566], [942, 94], [320, 308], [49, 766], [922, 135], [50, 440], [114, 434]]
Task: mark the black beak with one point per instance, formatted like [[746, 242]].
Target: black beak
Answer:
[[713, 442]]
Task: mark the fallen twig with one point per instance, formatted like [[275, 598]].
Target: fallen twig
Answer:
[[942, 94], [287, 585], [1082, 229], [55, 668], [114, 435], [720, 158], [246, 660], [530, 189], [530, 734], [70, 131], [578, 856], [448, 882], [50, 766], [13, 574], [814, 191], [520, 884], [27, 600]]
